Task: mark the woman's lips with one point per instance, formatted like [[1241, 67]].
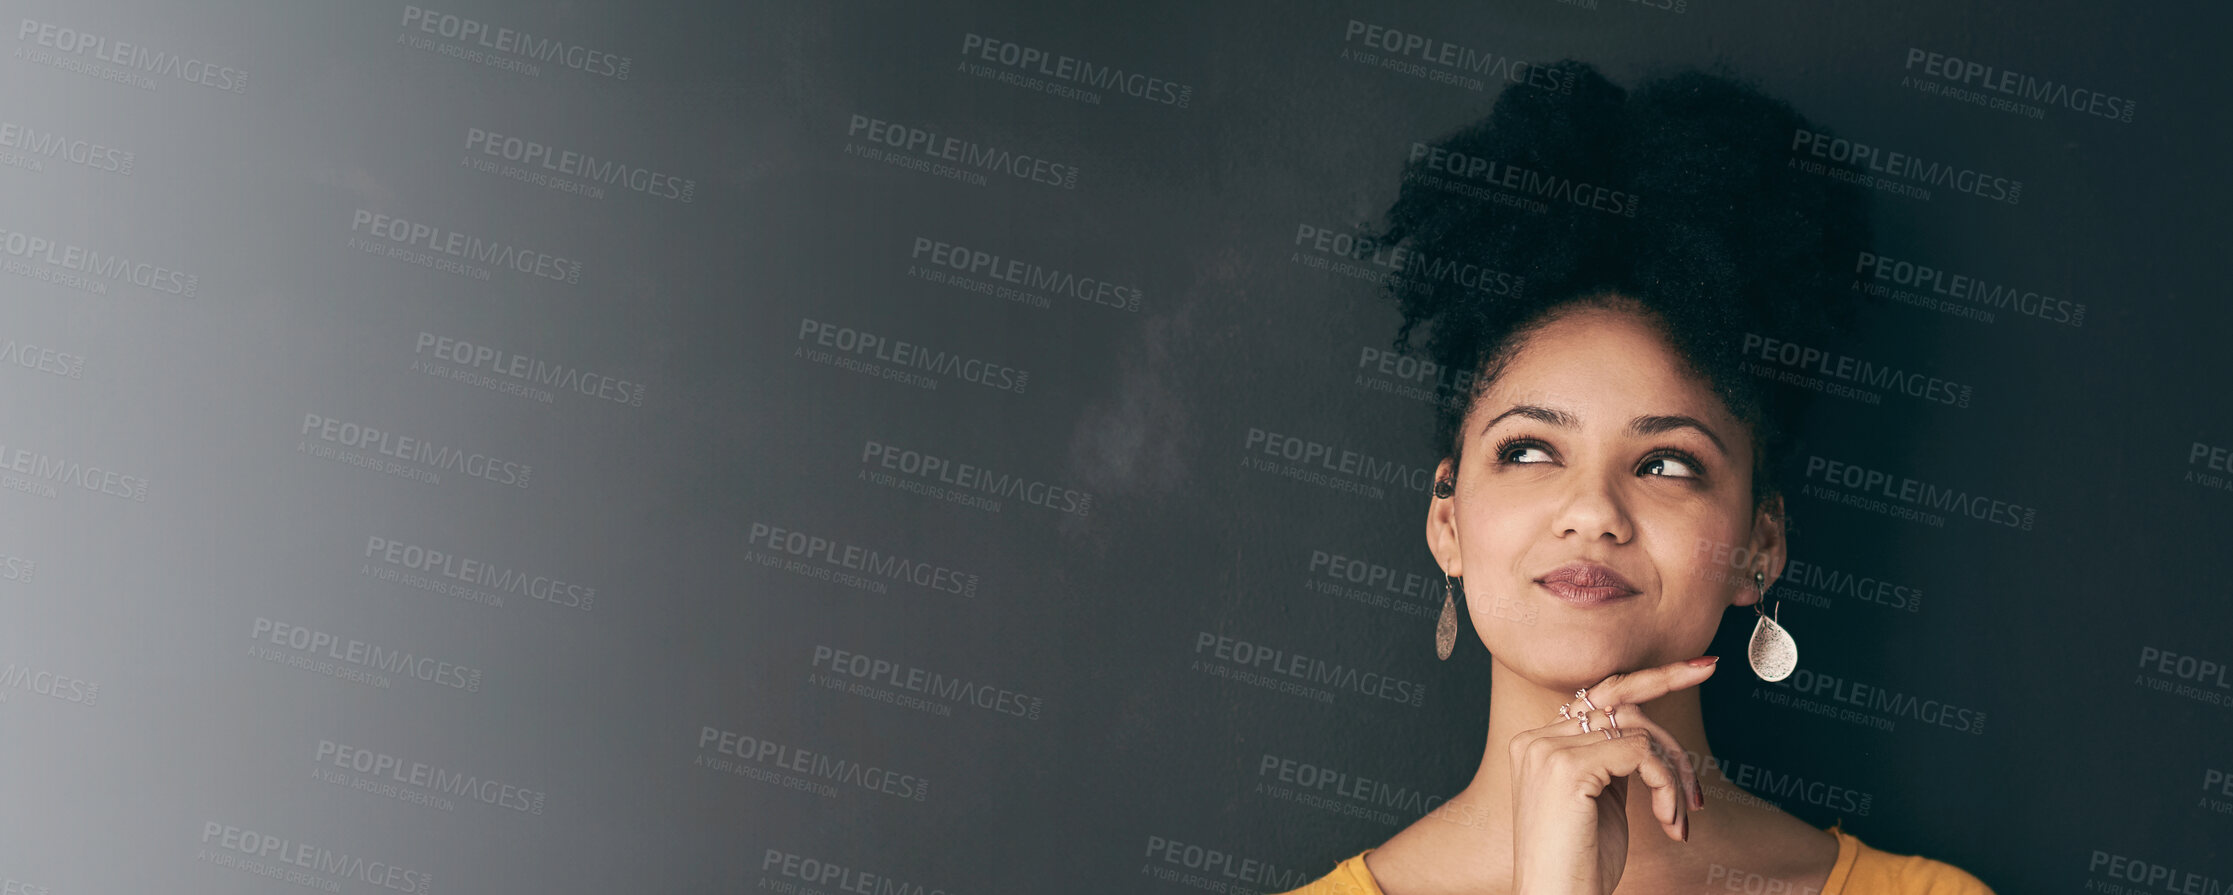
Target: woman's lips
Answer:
[[1586, 583], [1585, 596]]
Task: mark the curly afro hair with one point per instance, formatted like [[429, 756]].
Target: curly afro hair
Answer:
[[1686, 203]]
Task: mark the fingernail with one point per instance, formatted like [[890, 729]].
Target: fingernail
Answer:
[[1686, 827], [1703, 661], [1697, 797]]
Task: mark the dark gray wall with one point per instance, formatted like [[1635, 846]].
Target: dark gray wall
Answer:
[[297, 590]]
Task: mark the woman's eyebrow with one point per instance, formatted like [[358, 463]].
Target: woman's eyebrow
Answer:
[[1537, 412], [1653, 425], [1649, 424]]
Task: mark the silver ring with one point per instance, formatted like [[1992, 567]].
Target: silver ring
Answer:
[[1583, 695], [1608, 734]]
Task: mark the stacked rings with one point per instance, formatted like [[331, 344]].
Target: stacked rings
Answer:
[[1567, 712]]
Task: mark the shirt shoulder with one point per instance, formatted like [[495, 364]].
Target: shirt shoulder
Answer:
[[1875, 871], [1350, 877], [1869, 871]]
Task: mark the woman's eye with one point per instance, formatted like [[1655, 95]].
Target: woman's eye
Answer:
[[1660, 463], [1519, 449]]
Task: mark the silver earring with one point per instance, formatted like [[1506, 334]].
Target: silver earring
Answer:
[[1446, 627], [1773, 653]]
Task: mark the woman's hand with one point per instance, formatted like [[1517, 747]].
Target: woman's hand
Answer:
[[1570, 789]]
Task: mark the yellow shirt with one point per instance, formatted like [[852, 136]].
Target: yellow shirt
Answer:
[[1860, 870]]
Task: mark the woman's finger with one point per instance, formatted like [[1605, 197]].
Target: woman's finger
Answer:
[[1578, 717], [1631, 755], [1570, 719], [1637, 687], [1624, 755], [1670, 749]]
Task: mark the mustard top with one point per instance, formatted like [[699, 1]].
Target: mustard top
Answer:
[[1860, 870]]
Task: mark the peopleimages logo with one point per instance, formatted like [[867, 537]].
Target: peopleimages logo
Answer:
[[546, 158], [1885, 703], [132, 58], [366, 662], [16, 568], [1291, 672], [2154, 876], [43, 358], [92, 270], [475, 37], [2216, 783], [1378, 799], [814, 872], [1453, 63], [890, 681], [450, 251], [1034, 61], [839, 554], [2179, 674], [1216, 870], [1909, 283], [1784, 784], [1409, 585], [27, 678], [2184, 667], [295, 860], [1402, 266], [528, 377], [479, 573], [1811, 582], [1527, 181], [1418, 379], [2210, 456], [821, 766], [24, 146], [1885, 170], [1920, 493], [925, 150], [1970, 73], [48, 475], [966, 263], [1304, 457], [430, 779], [389, 449], [1807, 359], [897, 358], [968, 480]]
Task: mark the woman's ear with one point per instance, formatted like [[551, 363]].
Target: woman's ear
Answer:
[[1442, 520], [1768, 549]]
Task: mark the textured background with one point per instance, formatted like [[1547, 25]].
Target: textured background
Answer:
[[649, 587]]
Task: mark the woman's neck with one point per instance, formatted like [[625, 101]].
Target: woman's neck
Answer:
[[1465, 844], [1483, 810]]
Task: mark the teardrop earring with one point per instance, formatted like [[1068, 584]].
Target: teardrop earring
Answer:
[[1446, 627], [1773, 653]]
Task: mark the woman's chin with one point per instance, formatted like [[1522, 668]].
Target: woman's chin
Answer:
[[1572, 668]]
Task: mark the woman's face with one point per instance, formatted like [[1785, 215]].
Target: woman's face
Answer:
[[1595, 444]]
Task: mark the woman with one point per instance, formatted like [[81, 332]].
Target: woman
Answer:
[[1602, 467]]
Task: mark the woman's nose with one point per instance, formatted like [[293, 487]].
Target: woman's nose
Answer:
[[1593, 507]]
